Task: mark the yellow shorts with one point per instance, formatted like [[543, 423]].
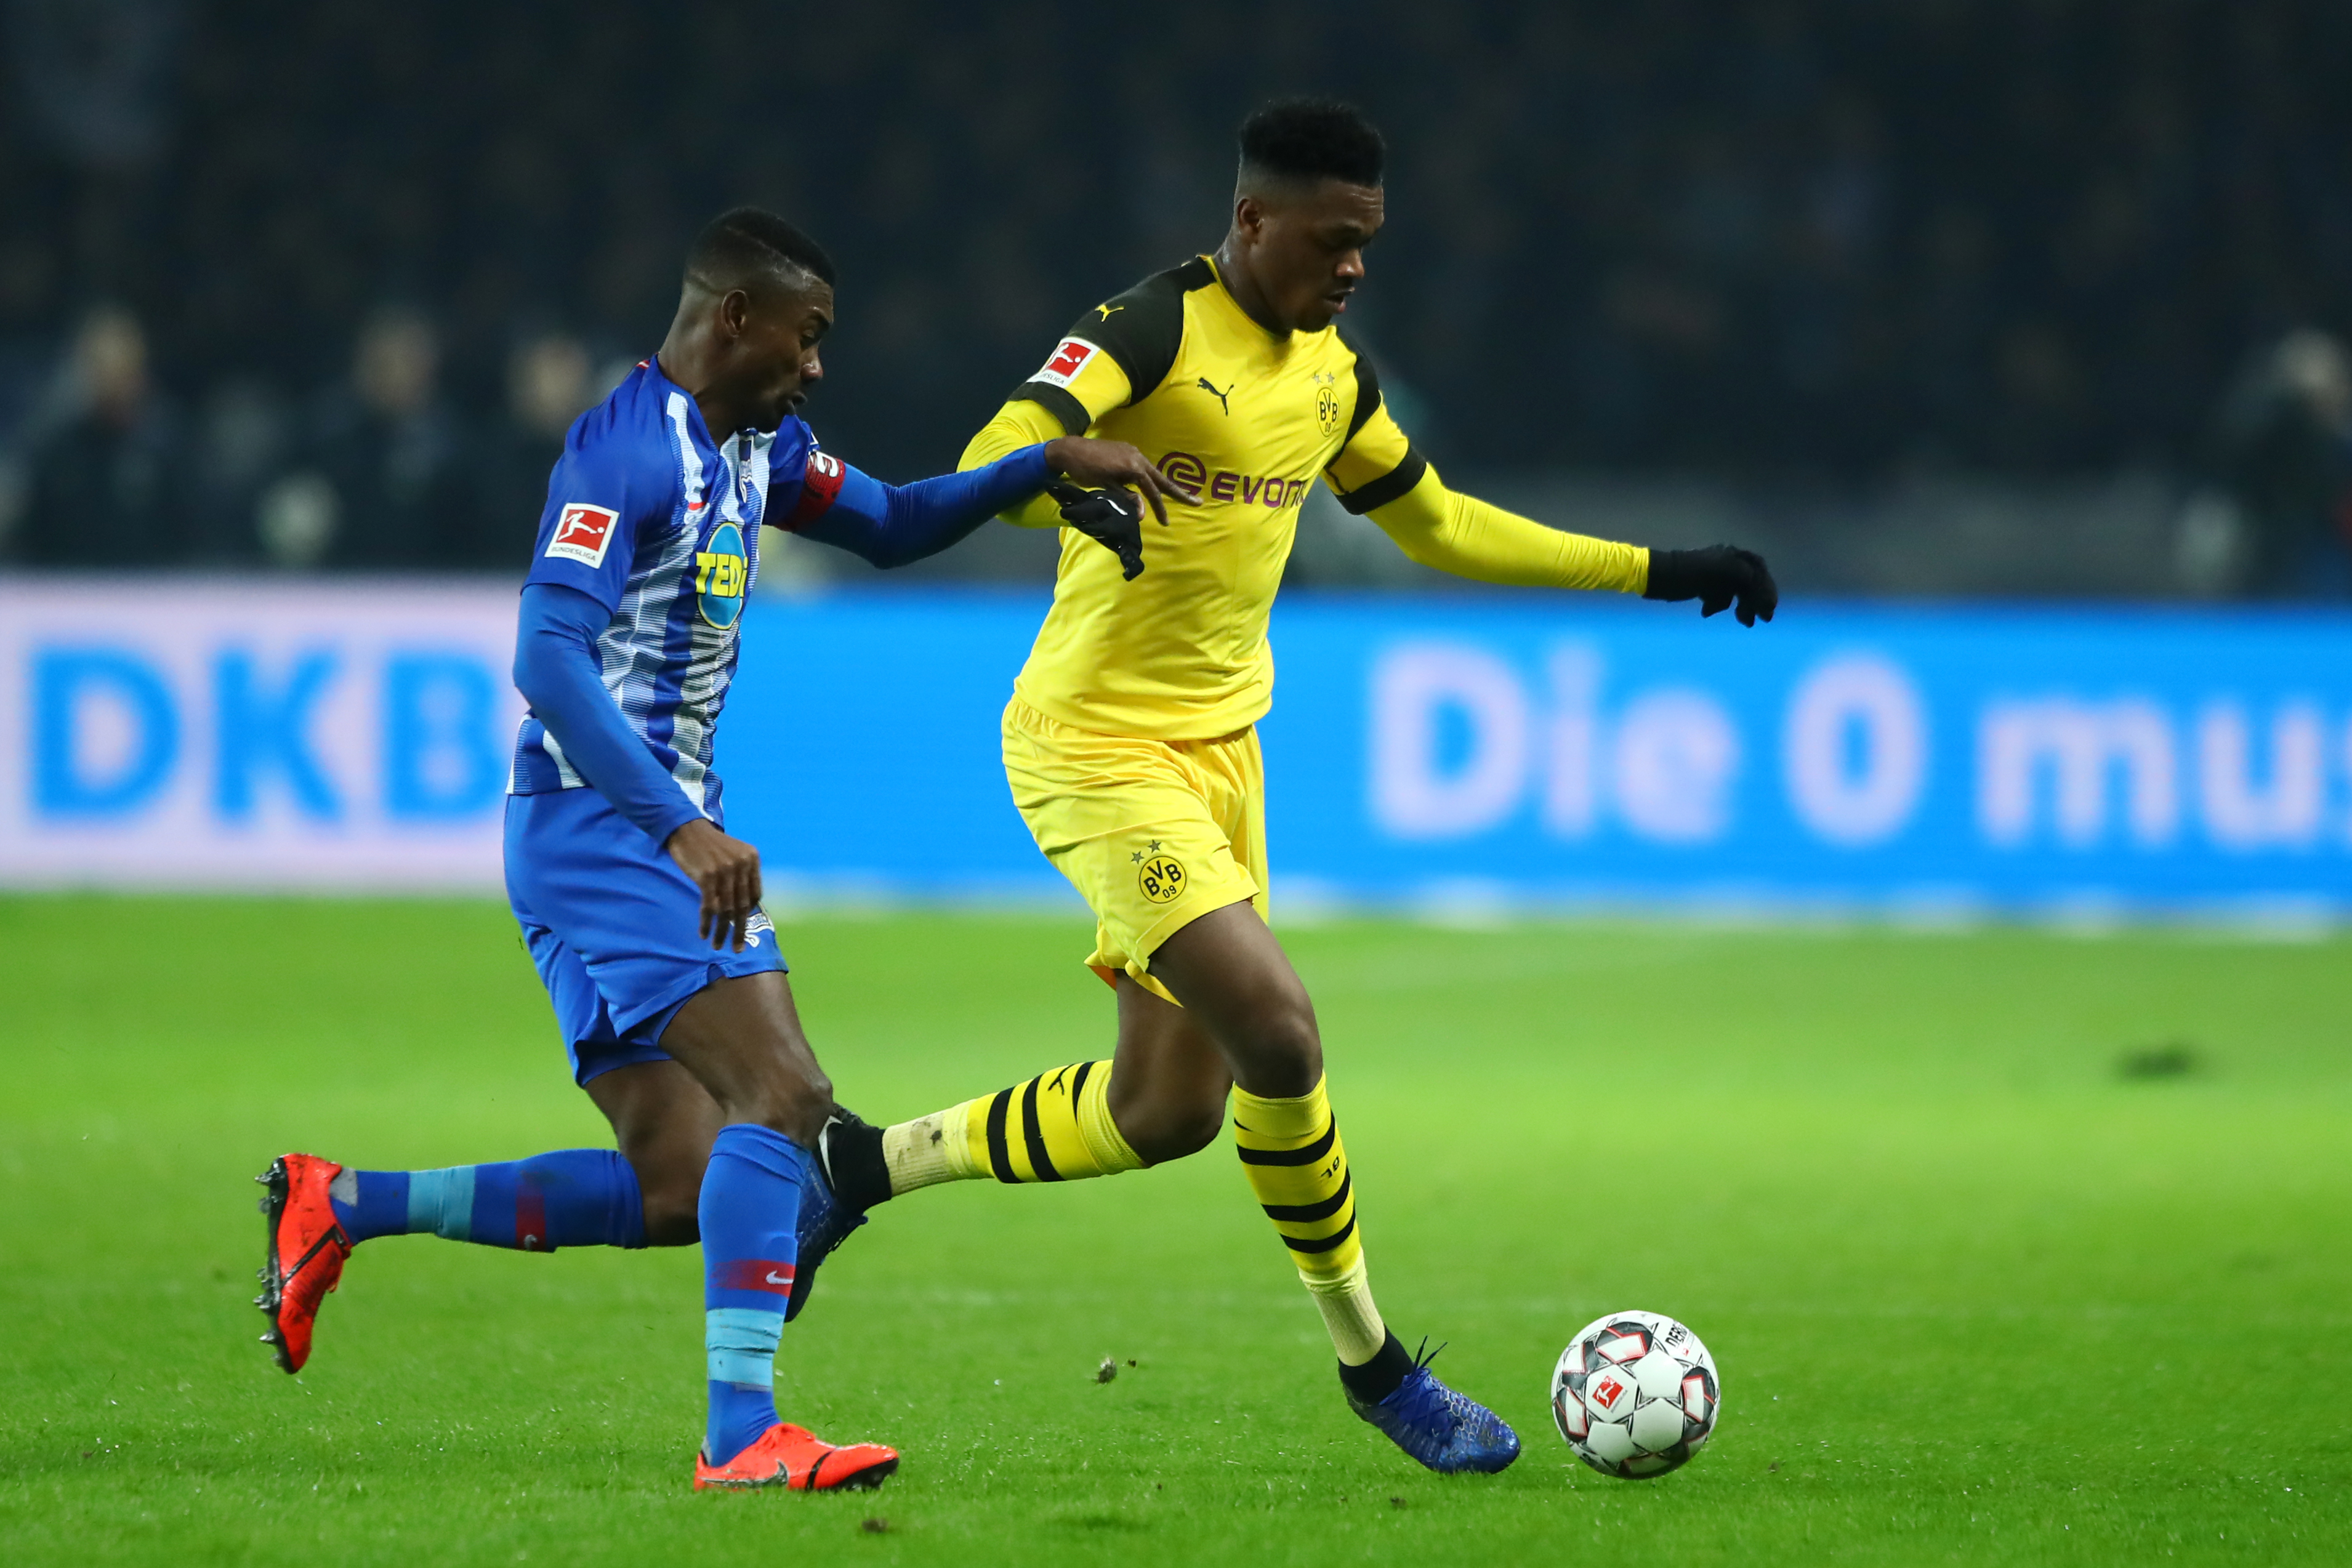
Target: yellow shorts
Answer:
[[1153, 833]]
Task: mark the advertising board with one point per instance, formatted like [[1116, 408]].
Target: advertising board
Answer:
[[1503, 751]]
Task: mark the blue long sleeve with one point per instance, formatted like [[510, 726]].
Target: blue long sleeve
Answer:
[[891, 525], [556, 671]]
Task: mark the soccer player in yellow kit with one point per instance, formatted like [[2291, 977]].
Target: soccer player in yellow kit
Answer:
[[1130, 740]]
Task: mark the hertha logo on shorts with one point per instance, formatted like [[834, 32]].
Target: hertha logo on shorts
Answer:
[[582, 534], [1161, 879]]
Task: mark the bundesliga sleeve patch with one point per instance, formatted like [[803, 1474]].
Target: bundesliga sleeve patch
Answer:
[[583, 533], [1069, 358], [820, 486]]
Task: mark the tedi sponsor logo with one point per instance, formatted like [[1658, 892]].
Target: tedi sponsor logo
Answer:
[[1223, 486]]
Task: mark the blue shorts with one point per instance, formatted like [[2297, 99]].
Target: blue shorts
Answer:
[[609, 919]]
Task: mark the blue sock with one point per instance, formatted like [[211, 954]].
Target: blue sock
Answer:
[[573, 1197], [750, 1207]]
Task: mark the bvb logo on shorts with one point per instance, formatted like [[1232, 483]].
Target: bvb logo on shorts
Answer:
[[1161, 878]]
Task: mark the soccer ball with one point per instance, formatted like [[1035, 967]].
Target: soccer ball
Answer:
[[1636, 1394]]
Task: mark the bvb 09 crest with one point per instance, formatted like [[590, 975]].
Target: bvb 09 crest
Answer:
[[1161, 878], [1326, 402]]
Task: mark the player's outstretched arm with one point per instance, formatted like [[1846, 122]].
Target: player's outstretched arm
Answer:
[[892, 525], [1470, 537], [1017, 424], [1377, 472]]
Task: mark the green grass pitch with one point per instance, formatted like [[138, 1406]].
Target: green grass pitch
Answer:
[[1978, 1296]]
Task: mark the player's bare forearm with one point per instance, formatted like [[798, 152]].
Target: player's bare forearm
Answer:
[[727, 870]]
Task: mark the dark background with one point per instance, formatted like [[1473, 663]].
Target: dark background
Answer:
[[1825, 245]]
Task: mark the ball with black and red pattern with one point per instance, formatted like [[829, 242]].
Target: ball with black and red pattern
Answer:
[[1636, 1394]]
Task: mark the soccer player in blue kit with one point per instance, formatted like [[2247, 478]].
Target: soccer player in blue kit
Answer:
[[641, 913]]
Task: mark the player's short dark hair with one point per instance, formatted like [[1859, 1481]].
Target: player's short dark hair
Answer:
[[1310, 139], [743, 242]]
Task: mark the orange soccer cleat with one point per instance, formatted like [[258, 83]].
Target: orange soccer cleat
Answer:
[[793, 1457], [307, 1249]]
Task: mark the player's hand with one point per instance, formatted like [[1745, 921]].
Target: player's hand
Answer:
[[1718, 577], [1112, 518], [1114, 465], [728, 872]]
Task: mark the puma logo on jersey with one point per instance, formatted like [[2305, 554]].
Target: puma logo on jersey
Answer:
[[1108, 311], [1208, 387]]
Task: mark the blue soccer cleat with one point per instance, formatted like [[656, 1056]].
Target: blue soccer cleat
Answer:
[[825, 1220], [1448, 1432]]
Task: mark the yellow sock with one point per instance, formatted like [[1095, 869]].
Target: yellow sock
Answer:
[[1291, 1152], [1055, 1127]]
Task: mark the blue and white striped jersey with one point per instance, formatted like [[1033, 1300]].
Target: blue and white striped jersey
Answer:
[[660, 524]]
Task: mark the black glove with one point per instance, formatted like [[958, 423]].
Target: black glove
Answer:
[[1715, 577], [1112, 518]]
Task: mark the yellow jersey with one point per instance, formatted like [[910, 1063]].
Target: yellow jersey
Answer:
[[1250, 419]]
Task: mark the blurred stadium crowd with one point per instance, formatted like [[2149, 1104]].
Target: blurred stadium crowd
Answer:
[[322, 283]]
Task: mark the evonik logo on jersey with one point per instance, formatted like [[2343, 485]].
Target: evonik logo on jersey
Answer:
[[1224, 486], [1069, 358], [582, 533]]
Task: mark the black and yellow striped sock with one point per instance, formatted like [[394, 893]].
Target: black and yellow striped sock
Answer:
[[1055, 1127], [1291, 1152]]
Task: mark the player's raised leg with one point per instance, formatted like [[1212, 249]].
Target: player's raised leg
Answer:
[[1163, 1096], [644, 1194], [1160, 1096], [318, 1211]]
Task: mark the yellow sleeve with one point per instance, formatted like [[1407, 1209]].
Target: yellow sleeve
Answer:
[[1079, 384], [1017, 424], [1465, 536]]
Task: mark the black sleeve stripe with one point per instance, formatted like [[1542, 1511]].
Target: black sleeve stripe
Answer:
[[1367, 396], [1195, 274], [1055, 402], [1143, 329], [1389, 486]]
